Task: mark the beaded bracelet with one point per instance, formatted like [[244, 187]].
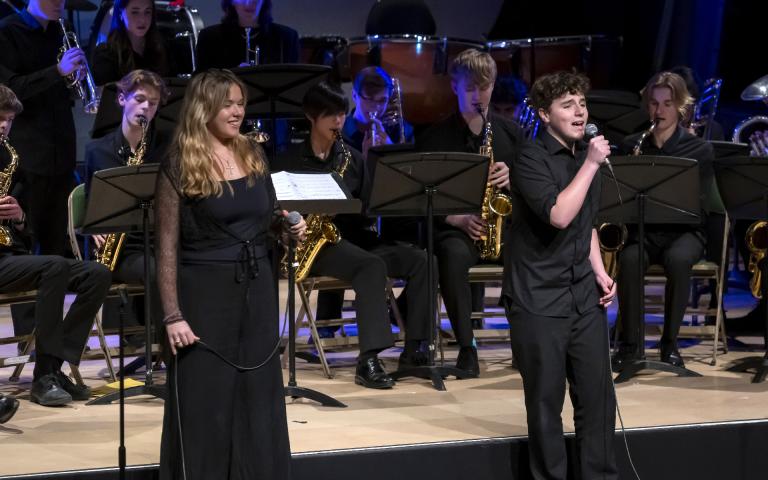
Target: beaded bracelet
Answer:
[[174, 317]]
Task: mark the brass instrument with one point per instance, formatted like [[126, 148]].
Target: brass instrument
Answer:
[[637, 150], [6, 239], [757, 242], [746, 128], [611, 237], [496, 205], [705, 108], [393, 115], [252, 55], [81, 81], [528, 119], [109, 251], [256, 133], [320, 229]]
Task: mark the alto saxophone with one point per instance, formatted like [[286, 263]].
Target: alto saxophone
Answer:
[[637, 150], [611, 237], [757, 242], [6, 239], [320, 229], [109, 251], [496, 205]]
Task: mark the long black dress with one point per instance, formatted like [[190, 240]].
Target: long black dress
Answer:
[[233, 422]]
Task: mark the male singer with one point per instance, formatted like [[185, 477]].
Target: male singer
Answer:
[[556, 288]]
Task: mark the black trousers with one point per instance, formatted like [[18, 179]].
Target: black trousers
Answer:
[[130, 269], [45, 202], [677, 252], [456, 253], [549, 351], [53, 276]]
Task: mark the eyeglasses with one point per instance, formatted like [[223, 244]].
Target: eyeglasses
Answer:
[[374, 101]]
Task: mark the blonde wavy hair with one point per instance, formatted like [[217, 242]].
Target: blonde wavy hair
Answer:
[[191, 148], [676, 84]]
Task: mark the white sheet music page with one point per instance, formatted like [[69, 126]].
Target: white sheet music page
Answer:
[[306, 186]]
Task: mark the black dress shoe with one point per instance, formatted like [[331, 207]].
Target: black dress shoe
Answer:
[[370, 374], [8, 407], [412, 359], [78, 392], [672, 356], [622, 358], [48, 392], [467, 361]]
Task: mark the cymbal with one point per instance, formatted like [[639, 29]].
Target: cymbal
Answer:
[[757, 91], [80, 5]]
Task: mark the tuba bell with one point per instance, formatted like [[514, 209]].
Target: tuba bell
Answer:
[[746, 128], [757, 242], [612, 237]]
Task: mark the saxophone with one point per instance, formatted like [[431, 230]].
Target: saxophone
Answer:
[[6, 239], [496, 205], [109, 251], [637, 150], [757, 242], [320, 229], [611, 237]]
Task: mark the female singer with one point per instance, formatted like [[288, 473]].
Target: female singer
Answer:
[[134, 42], [246, 23], [215, 211]]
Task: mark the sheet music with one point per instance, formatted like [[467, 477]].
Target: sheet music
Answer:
[[306, 186]]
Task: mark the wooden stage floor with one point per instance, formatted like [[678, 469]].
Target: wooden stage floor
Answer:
[[40, 439]]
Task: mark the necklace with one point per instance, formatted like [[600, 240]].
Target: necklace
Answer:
[[228, 167]]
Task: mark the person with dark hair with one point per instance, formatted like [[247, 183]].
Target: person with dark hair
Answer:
[[246, 23], [676, 247], [508, 96], [473, 74], [56, 341], [134, 43], [400, 17], [368, 124], [556, 290], [140, 93], [361, 258], [216, 214]]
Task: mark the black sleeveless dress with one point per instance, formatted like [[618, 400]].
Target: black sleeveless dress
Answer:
[[233, 423]]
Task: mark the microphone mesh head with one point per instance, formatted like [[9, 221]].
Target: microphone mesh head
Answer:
[[590, 130], [293, 218]]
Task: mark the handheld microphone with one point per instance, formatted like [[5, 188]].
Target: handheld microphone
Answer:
[[591, 131]]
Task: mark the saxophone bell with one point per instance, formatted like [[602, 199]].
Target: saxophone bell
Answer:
[[611, 237], [757, 242]]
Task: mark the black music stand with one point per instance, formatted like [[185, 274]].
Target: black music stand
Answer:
[[658, 190], [120, 200], [277, 91], [429, 184], [743, 185], [327, 207]]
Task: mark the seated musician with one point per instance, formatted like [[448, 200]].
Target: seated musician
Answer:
[[360, 258], [472, 78], [56, 341], [508, 97], [140, 93], [676, 247], [367, 124], [134, 42], [246, 22]]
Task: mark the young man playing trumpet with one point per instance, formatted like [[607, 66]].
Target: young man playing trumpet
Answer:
[[473, 74], [56, 341]]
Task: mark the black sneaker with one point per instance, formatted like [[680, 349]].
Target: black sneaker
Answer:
[[467, 361], [370, 373], [78, 392], [8, 407], [47, 392]]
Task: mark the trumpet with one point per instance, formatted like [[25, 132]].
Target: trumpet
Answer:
[[81, 81], [256, 52], [611, 237]]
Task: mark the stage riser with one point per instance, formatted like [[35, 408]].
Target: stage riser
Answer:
[[735, 450]]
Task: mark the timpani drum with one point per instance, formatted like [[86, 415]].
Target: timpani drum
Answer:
[[420, 63]]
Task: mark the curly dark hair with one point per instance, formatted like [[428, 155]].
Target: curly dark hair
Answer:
[[550, 87]]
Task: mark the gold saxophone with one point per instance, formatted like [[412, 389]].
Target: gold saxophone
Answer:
[[611, 237], [320, 229], [757, 242], [109, 251], [496, 205], [6, 239], [637, 150]]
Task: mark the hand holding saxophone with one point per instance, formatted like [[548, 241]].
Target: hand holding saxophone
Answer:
[[474, 226], [598, 151], [72, 61], [10, 209], [499, 175]]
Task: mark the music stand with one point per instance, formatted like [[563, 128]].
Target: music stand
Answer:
[[327, 207], [658, 190], [120, 200], [743, 185], [277, 91], [425, 185]]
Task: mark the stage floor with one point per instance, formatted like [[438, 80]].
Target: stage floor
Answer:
[[40, 439]]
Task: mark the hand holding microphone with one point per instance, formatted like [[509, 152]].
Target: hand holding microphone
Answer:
[[294, 226], [599, 147]]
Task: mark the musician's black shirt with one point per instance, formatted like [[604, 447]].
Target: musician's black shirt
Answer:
[[301, 158], [223, 45], [546, 269], [106, 66], [44, 134]]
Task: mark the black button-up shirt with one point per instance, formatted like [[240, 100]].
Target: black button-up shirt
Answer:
[[44, 134], [356, 228], [354, 134], [223, 45], [547, 269]]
